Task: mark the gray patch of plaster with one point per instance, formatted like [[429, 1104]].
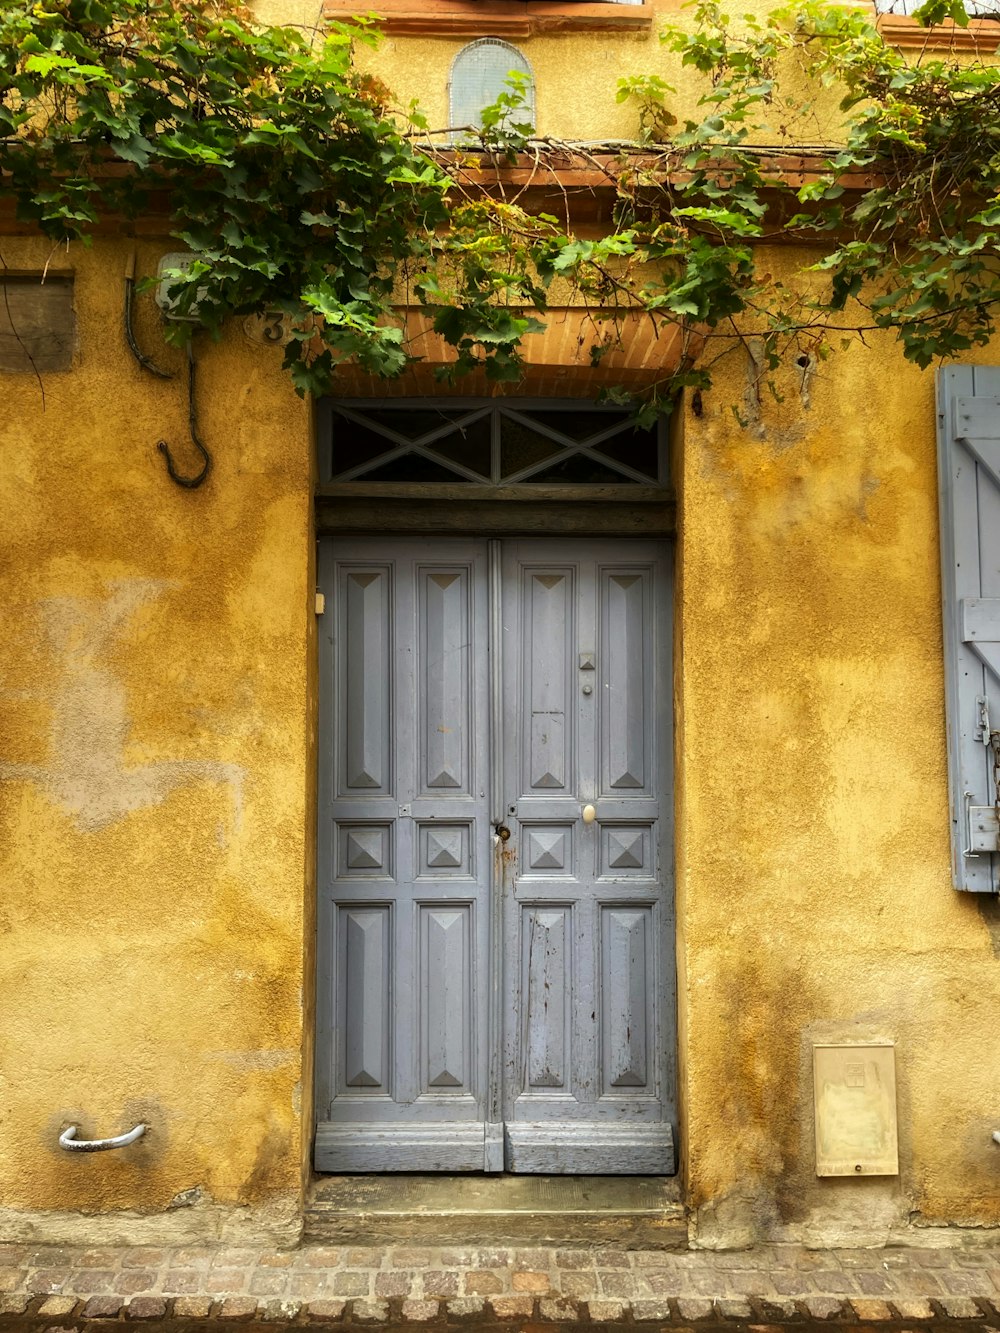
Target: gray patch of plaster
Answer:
[[86, 775], [189, 1198], [755, 372], [249, 1060], [277, 1223]]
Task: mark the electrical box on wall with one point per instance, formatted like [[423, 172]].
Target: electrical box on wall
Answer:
[[855, 1097], [178, 261]]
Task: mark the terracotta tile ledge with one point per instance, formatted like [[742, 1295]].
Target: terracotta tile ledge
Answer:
[[982, 35]]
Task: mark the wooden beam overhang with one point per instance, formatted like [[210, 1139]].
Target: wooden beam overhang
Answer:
[[521, 19], [576, 183], [463, 19], [637, 353], [579, 184]]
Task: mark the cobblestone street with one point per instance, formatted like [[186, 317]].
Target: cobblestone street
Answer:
[[54, 1286]]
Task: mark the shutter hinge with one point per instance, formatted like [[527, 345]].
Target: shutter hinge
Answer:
[[983, 719], [320, 603]]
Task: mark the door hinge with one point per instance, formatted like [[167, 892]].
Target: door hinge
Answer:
[[320, 603]]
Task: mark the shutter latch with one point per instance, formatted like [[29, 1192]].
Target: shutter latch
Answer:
[[984, 829], [983, 821]]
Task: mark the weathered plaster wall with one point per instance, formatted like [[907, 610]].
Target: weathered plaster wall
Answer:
[[574, 98], [155, 825], [814, 878], [576, 79], [815, 901], [156, 813]]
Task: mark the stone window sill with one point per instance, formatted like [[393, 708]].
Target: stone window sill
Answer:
[[496, 18], [982, 35]]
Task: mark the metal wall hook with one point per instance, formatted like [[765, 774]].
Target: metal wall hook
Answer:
[[189, 483], [130, 338], [69, 1141]]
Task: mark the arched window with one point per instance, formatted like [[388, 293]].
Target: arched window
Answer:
[[478, 77]]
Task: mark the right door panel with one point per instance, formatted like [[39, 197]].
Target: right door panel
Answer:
[[589, 1084]]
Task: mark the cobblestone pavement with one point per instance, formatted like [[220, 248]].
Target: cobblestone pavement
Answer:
[[373, 1285]]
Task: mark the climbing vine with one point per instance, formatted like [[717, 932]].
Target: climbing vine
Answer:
[[299, 187], [901, 208], [279, 167]]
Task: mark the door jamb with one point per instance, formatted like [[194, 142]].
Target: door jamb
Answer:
[[494, 1142]]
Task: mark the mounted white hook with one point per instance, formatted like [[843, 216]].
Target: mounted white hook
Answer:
[[69, 1141]]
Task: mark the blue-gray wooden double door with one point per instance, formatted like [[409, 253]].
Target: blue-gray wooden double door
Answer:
[[496, 975]]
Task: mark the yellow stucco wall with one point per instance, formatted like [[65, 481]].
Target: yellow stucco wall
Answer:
[[576, 79], [815, 895], [155, 826], [575, 98], [157, 812]]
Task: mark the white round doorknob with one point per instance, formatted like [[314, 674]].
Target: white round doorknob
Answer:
[[589, 814]]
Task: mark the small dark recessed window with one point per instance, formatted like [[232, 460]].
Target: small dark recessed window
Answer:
[[37, 323]]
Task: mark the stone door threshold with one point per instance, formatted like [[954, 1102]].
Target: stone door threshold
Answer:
[[638, 1212]]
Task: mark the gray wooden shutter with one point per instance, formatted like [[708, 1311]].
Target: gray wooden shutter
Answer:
[[969, 487]]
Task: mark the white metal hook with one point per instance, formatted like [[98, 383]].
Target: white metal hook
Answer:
[[69, 1141]]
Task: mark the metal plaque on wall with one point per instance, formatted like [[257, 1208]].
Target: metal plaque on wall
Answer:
[[855, 1099]]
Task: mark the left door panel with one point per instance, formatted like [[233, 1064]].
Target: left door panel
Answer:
[[404, 853]]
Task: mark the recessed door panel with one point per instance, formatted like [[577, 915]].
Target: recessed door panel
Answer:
[[446, 997], [365, 676], [546, 988], [548, 640], [627, 729], [444, 668], [627, 998], [366, 997]]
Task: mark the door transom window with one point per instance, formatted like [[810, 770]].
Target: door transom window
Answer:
[[548, 442]]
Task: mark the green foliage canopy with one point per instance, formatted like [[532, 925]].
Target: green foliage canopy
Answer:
[[299, 188], [281, 169]]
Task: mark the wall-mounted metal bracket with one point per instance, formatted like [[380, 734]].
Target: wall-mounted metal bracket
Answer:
[[189, 483], [130, 338], [69, 1141]]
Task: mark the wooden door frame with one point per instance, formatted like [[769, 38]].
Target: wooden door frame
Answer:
[[463, 508], [444, 510]]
